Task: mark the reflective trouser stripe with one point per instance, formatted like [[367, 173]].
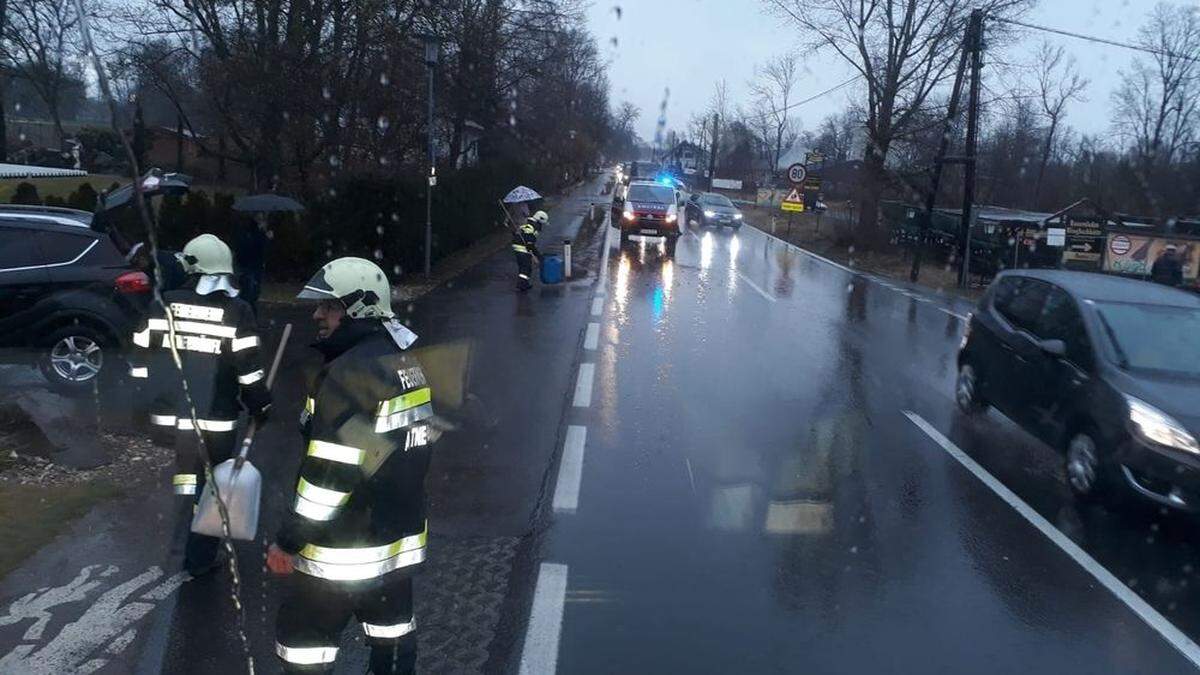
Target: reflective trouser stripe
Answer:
[[524, 276], [306, 656], [336, 453], [314, 511], [358, 571], [163, 420], [184, 483], [250, 378], [394, 630], [403, 418], [321, 495], [185, 424], [349, 564], [241, 343], [520, 249], [140, 372]]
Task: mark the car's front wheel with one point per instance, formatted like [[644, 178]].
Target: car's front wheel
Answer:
[[1087, 475], [73, 356], [966, 390]]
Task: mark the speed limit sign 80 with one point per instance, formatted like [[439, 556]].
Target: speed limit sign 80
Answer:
[[796, 173]]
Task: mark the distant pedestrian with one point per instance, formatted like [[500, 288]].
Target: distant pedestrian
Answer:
[[1168, 269], [524, 244], [251, 258]]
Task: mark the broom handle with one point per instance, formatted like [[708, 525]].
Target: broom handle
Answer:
[[287, 333]]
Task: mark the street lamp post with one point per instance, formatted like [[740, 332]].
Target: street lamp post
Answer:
[[432, 45]]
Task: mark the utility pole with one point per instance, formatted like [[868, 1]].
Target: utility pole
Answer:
[[940, 159], [964, 229], [712, 151], [431, 58]]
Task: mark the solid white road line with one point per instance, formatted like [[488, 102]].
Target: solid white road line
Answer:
[[597, 306], [756, 287], [592, 339], [956, 315], [583, 385], [810, 253], [539, 656], [1157, 621], [570, 471]]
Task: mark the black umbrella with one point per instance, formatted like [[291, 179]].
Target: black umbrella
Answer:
[[267, 203]]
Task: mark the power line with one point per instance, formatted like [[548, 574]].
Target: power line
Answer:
[[810, 99], [1092, 38]]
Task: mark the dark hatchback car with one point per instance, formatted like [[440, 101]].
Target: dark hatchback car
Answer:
[[648, 209], [1103, 368], [709, 209], [68, 297]]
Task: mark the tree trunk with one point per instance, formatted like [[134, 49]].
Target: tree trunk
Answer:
[[179, 143], [1046, 147], [872, 184]]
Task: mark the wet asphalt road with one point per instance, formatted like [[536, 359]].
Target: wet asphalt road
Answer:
[[754, 499]]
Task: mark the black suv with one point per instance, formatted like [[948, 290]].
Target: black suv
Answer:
[[69, 299], [1104, 368]]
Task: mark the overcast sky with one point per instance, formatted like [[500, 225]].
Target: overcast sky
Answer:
[[687, 45]]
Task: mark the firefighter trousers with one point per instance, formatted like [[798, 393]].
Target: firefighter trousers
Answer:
[[201, 551], [315, 611], [524, 270]]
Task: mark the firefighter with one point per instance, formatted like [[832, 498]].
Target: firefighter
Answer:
[[524, 244], [217, 343], [356, 530]]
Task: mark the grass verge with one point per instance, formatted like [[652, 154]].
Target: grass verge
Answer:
[[45, 512]]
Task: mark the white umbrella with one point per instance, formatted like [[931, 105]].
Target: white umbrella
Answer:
[[521, 194]]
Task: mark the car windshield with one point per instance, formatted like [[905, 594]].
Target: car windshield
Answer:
[[716, 200], [650, 193], [1154, 337]]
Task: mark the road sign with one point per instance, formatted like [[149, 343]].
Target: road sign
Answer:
[[1056, 236], [1120, 244], [794, 202], [796, 173]]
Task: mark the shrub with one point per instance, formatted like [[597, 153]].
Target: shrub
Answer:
[[26, 193]]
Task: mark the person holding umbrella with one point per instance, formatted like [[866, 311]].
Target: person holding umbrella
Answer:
[[251, 243], [524, 236]]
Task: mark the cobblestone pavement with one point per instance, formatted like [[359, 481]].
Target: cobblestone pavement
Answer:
[[458, 600]]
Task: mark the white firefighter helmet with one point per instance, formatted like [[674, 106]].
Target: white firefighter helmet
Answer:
[[358, 283], [540, 218], [207, 254]]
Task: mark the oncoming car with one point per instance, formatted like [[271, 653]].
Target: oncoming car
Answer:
[[650, 209], [708, 209]]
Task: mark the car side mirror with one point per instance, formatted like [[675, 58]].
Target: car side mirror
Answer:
[[1056, 348]]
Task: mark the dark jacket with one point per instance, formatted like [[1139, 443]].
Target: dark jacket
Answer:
[[524, 239], [1167, 270], [359, 507], [218, 344]]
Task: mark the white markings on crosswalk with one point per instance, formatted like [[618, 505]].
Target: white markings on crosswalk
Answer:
[[539, 656], [570, 470], [1158, 622]]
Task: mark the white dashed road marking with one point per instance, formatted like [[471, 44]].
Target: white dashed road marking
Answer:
[[570, 470], [1157, 621], [540, 654], [592, 339], [597, 305], [583, 385]]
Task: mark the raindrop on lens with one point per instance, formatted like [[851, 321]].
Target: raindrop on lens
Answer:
[[378, 254], [383, 123], [383, 79], [326, 94], [379, 229]]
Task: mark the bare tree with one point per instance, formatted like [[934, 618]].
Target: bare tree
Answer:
[[902, 50], [1156, 103], [772, 91], [39, 43], [1059, 83]]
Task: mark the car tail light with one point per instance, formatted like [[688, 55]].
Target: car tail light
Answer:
[[133, 282]]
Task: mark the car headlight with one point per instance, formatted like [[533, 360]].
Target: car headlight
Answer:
[[737, 216], [1152, 424], [628, 215], [709, 214], [671, 217]]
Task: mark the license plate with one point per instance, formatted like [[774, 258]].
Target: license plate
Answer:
[[649, 231]]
